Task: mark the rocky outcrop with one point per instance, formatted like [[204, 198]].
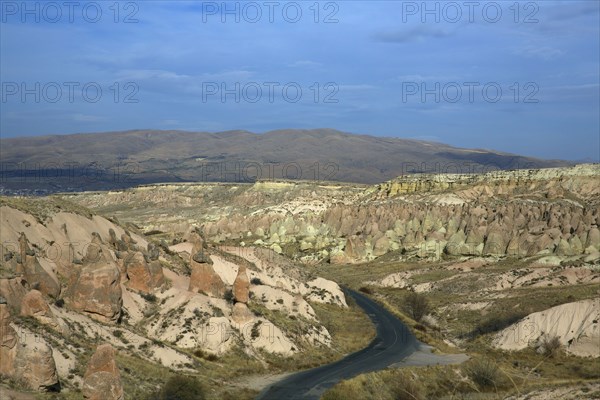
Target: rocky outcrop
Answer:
[[8, 342], [13, 290], [35, 365], [203, 278], [143, 276], [96, 289], [102, 379], [27, 358], [517, 213], [241, 286], [36, 275], [241, 314], [576, 325], [34, 305]]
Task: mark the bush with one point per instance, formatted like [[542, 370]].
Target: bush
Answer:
[[405, 388], [256, 281], [255, 332], [417, 305], [150, 297], [59, 303], [207, 356], [180, 388], [484, 373], [365, 290], [228, 296], [550, 346]]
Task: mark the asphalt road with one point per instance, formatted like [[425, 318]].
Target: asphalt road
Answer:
[[393, 343]]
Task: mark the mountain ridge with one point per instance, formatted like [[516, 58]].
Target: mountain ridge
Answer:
[[239, 155]]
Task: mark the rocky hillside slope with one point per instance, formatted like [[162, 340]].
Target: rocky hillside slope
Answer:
[[70, 280], [576, 325], [516, 213]]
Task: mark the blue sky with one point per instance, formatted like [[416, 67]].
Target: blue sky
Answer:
[[385, 68]]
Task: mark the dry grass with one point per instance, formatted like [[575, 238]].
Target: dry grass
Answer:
[[43, 208], [351, 330]]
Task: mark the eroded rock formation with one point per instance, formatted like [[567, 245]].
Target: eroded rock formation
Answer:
[[102, 379], [26, 358], [241, 286], [96, 289], [204, 279]]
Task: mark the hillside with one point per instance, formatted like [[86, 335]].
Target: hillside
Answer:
[[78, 289], [232, 284], [499, 257], [124, 159]]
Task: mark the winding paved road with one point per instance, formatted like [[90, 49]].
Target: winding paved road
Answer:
[[393, 343]]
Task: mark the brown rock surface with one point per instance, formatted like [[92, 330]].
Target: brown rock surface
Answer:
[[241, 314], [102, 379], [27, 359], [36, 275], [204, 279], [143, 276], [13, 290], [35, 365], [241, 285], [8, 342], [96, 289], [34, 305]]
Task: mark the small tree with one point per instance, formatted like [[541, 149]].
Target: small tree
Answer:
[[417, 305]]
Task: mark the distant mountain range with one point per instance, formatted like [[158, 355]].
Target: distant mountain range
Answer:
[[122, 159]]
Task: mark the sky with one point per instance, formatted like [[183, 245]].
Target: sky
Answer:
[[520, 77]]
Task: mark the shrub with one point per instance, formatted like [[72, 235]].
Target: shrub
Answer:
[[484, 373], [150, 297], [207, 356], [228, 296], [405, 388], [366, 290], [59, 303], [180, 387], [417, 305], [421, 327], [256, 281], [550, 346], [255, 332]]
